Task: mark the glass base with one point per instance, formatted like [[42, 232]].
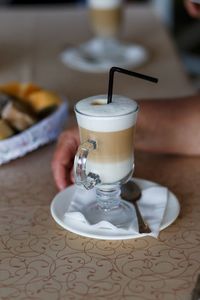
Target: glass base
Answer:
[[109, 206], [120, 216]]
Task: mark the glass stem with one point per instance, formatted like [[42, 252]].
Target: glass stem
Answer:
[[108, 198], [107, 43]]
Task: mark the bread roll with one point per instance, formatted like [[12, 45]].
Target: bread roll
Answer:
[[4, 99], [43, 101], [26, 89], [5, 130], [11, 88], [17, 116]]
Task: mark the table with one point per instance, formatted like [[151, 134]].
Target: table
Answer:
[[40, 260]]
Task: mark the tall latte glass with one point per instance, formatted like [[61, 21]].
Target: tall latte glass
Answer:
[[105, 158]]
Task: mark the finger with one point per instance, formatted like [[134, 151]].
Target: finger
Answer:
[[61, 166], [60, 177], [72, 176], [63, 160]]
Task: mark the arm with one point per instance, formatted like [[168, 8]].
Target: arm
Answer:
[[164, 126], [192, 8], [169, 126]]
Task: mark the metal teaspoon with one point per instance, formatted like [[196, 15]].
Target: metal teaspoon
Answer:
[[131, 192]]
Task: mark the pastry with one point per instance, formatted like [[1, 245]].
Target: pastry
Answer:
[[22, 104], [43, 102], [11, 88], [4, 99], [5, 130], [17, 116], [26, 89], [20, 90]]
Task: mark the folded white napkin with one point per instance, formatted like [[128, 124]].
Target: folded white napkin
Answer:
[[152, 205]]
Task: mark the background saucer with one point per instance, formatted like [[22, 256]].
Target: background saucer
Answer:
[[62, 201], [80, 58]]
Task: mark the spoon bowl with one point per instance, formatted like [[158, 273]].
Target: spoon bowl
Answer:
[[131, 192]]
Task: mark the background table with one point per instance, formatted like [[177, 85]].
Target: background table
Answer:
[[40, 260]]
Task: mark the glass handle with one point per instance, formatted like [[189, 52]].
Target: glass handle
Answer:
[[81, 178]]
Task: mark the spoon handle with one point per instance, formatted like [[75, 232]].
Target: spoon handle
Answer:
[[143, 226]]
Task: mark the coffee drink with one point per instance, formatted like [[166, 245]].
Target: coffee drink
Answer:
[[112, 127], [106, 17]]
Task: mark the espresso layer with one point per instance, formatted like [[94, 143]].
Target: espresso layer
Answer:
[[111, 146]]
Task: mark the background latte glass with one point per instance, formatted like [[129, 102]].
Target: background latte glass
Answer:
[[106, 20], [105, 17], [108, 45]]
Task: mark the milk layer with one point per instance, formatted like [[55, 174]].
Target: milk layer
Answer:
[[110, 172], [104, 4]]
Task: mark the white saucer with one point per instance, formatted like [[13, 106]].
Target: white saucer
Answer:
[[80, 58], [62, 201]]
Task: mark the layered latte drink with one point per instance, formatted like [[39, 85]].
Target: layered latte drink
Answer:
[[106, 17], [111, 127]]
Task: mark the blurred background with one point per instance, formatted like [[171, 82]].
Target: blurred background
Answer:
[[184, 30]]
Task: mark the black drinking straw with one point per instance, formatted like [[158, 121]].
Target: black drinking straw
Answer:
[[127, 72]]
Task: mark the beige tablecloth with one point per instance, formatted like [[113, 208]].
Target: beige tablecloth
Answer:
[[39, 259]]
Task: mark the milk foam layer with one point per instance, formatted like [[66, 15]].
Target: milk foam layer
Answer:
[[111, 172], [119, 115], [104, 4]]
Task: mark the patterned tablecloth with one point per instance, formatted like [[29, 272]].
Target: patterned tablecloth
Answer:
[[40, 260]]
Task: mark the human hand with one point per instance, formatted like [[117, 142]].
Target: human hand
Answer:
[[193, 8], [62, 163]]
